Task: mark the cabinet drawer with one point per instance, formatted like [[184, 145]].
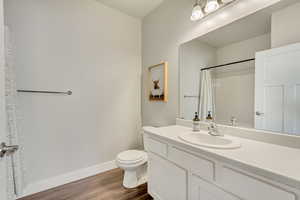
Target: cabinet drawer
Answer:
[[249, 188], [197, 165], [156, 146]]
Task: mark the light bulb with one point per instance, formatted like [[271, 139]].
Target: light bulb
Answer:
[[197, 13], [211, 6]]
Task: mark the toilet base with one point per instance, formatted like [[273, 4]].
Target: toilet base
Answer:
[[135, 178]]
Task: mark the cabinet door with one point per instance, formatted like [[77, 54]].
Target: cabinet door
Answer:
[[249, 187], [201, 190], [166, 180]]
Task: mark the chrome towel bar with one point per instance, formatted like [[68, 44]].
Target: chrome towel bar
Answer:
[[45, 92], [190, 96]]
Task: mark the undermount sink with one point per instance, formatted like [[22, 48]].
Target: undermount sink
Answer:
[[206, 140]]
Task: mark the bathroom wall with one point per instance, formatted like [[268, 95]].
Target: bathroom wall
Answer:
[[235, 84], [285, 26], [164, 30], [243, 49], [194, 56], [96, 52]]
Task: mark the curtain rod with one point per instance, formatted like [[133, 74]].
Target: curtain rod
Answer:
[[232, 63]]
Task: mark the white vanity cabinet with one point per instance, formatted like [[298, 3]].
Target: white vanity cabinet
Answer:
[[178, 174], [202, 190], [166, 180]]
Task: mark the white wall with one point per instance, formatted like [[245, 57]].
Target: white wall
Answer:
[[285, 26], [234, 89], [94, 51], [164, 30], [244, 49], [194, 55]]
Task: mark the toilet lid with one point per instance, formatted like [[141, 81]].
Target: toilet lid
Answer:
[[131, 156]]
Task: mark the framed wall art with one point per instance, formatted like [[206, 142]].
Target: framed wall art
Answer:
[[158, 82]]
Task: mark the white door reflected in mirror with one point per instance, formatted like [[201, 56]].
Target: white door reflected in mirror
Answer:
[[277, 89]]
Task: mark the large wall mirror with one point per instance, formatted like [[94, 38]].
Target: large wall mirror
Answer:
[[247, 73]]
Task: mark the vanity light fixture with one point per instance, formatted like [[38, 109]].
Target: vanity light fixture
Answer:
[[211, 6], [203, 8]]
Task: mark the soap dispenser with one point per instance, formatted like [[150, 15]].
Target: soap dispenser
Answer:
[[196, 123], [209, 117]]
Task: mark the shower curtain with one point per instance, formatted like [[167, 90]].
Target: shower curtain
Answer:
[[206, 101], [14, 162]]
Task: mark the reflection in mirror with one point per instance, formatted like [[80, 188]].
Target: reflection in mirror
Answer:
[[247, 73]]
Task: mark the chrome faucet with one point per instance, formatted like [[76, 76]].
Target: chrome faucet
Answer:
[[213, 129]]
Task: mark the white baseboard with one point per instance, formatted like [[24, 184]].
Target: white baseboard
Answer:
[[67, 178]]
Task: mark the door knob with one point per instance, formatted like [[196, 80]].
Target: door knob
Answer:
[[259, 113], [7, 150]]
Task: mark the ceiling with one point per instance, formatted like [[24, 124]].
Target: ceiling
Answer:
[[251, 26], [135, 8]]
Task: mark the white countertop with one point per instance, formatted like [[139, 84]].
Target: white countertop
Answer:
[[278, 163]]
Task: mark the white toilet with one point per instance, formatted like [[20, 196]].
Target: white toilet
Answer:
[[134, 163]]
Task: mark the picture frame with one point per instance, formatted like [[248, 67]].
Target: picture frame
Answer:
[[158, 82]]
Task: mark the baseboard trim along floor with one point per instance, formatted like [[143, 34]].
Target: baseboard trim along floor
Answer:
[[67, 178]]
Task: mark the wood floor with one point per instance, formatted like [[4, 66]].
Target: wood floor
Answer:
[[105, 186]]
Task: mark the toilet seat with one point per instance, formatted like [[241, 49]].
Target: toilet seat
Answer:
[[132, 157], [134, 164]]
